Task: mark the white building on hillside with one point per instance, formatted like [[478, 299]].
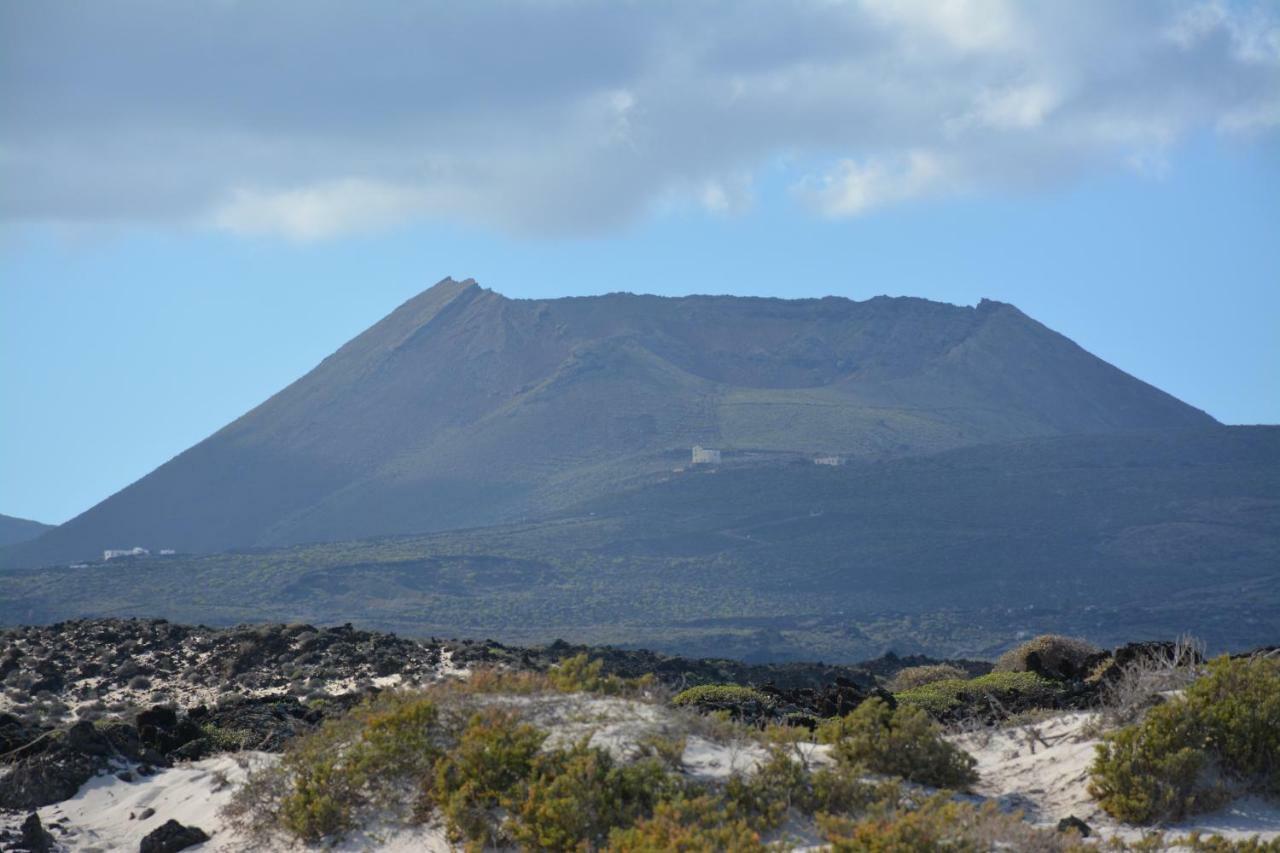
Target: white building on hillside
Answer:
[[112, 553], [705, 456]]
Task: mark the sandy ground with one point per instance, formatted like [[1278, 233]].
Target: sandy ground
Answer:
[[1043, 770]]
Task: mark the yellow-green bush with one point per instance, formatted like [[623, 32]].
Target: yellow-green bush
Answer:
[[1058, 656], [580, 674], [918, 676], [715, 694], [1220, 737], [689, 825], [994, 690], [494, 756], [783, 782], [357, 760], [901, 742], [575, 797], [941, 823]]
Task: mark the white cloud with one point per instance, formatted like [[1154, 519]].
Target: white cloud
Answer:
[[309, 120], [853, 188], [317, 212], [1014, 107]]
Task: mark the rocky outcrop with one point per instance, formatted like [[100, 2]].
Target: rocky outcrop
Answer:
[[52, 767], [171, 837]]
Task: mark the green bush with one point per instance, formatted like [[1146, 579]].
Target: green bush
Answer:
[[321, 802], [941, 823], [918, 676], [1058, 656], [717, 694], [357, 760], [783, 782], [1189, 754], [1011, 690], [689, 825], [494, 756], [580, 674], [576, 796], [901, 742], [765, 796]]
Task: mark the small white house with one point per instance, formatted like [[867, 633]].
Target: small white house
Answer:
[[112, 553], [705, 456]]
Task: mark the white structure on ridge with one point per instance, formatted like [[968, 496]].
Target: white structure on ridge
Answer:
[[705, 456], [112, 553]]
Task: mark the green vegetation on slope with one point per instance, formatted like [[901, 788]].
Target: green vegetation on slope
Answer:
[[1100, 536]]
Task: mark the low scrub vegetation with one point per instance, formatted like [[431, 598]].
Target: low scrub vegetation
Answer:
[[998, 693], [477, 759], [918, 676], [706, 695], [901, 742], [942, 823], [1220, 738]]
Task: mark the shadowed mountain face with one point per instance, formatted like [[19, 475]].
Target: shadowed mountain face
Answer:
[[465, 408], [13, 530]]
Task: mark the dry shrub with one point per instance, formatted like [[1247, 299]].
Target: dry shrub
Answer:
[[1127, 692], [1049, 654]]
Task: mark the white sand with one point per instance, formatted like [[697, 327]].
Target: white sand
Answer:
[[1043, 770], [104, 815]]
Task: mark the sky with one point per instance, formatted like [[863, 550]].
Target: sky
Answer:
[[200, 201]]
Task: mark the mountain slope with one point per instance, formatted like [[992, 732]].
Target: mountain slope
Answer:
[[14, 530], [1109, 536], [464, 408]]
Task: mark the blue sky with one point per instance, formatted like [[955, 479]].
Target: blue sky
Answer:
[[174, 250]]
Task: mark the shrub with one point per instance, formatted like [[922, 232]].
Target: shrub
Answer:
[[579, 674], [918, 676], [494, 755], [364, 758], [1188, 755], [721, 694], [689, 825], [765, 796], [941, 823], [901, 741], [577, 796], [321, 801], [783, 782], [1049, 654], [996, 691]]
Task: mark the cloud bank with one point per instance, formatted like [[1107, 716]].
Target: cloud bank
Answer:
[[551, 117]]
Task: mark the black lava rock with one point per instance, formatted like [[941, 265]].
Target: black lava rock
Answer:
[[52, 767], [172, 836], [35, 837], [1073, 822]]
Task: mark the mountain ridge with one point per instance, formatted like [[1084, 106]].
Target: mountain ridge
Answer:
[[14, 530], [463, 407]]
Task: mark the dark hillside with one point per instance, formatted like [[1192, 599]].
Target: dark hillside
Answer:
[[465, 408], [1141, 534], [13, 530]]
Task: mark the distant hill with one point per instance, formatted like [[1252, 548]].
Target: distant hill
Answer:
[[1143, 534], [465, 408], [13, 530]]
